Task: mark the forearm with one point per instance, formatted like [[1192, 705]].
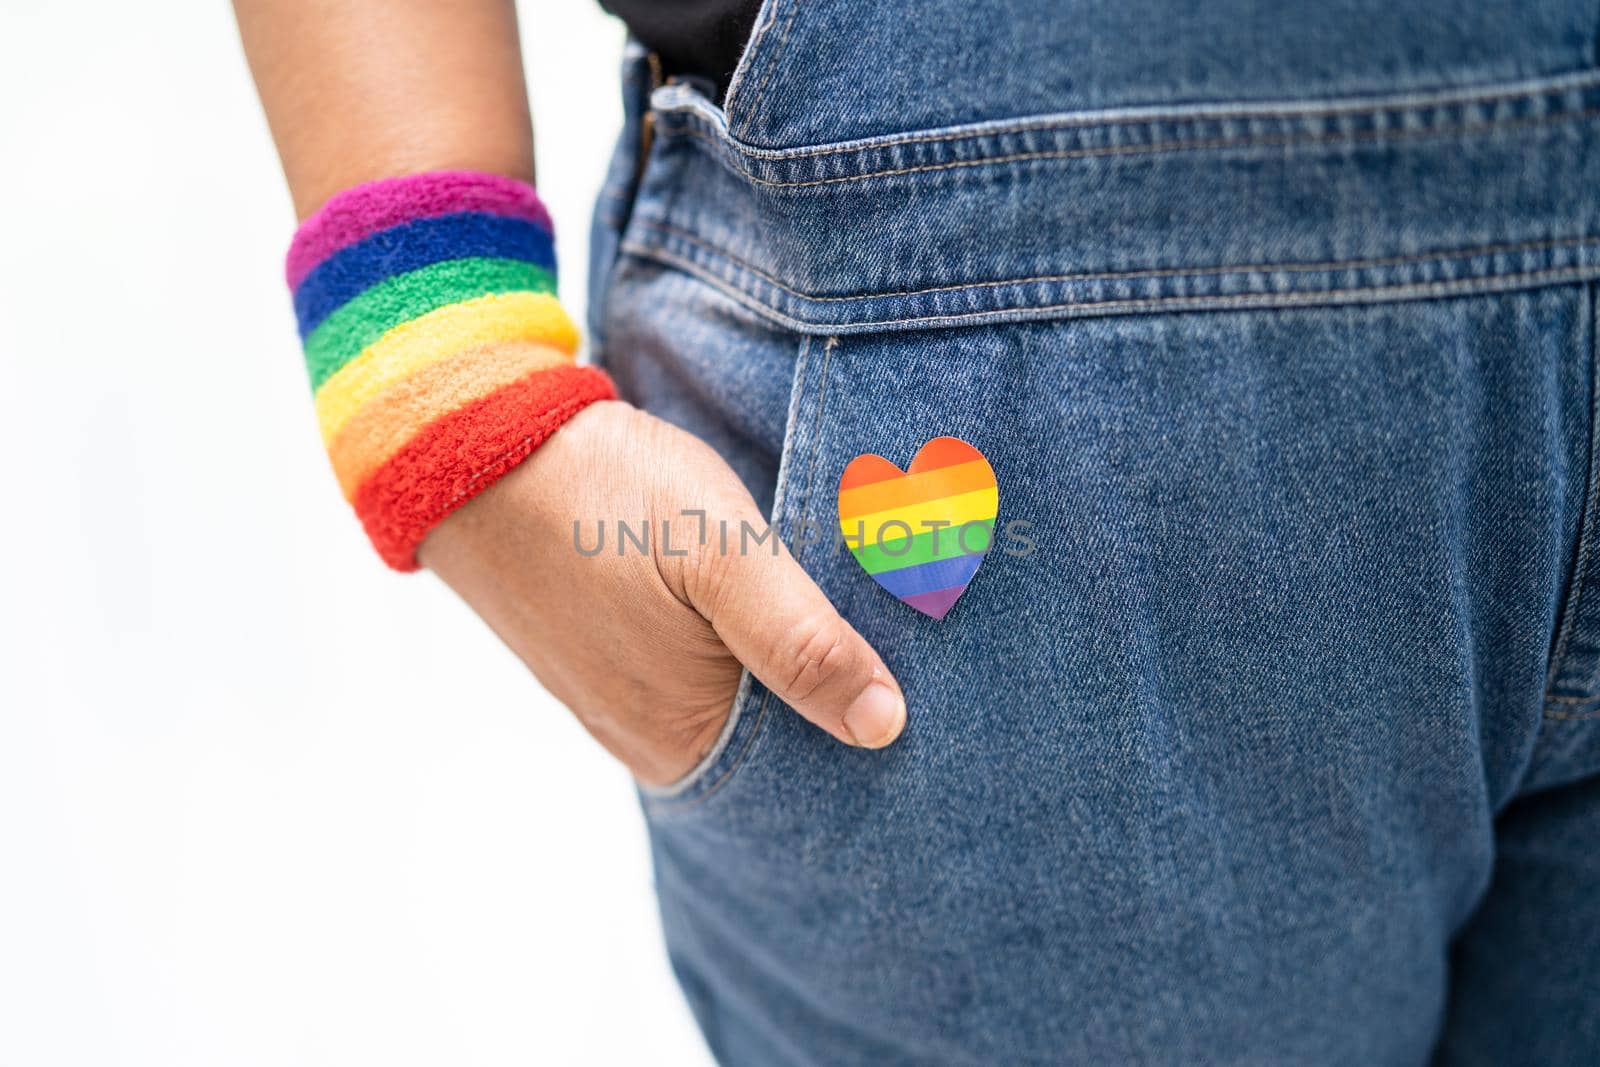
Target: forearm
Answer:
[[423, 271], [423, 280], [357, 90]]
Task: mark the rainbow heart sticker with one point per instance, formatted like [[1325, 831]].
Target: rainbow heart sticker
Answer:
[[921, 532]]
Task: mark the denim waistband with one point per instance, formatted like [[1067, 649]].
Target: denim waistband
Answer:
[[834, 70], [1190, 206]]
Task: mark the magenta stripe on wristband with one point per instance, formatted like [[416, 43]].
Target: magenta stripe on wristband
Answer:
[[364, 210]]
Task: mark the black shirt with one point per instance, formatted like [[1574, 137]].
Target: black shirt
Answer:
[[704, 37]]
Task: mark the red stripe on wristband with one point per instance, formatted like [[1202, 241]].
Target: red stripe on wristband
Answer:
[[461, 454]]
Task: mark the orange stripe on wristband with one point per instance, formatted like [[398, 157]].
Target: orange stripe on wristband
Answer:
[[388, 421], [463, 452]]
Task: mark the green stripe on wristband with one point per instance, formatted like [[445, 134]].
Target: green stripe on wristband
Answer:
[[397, 300]]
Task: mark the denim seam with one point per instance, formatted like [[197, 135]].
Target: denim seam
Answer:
[[1594, 41], [751, 53], [767, 57], [1563, 716], [1285, 111], [828, 348], [1024, 312], [672, 804], [1590, 516], [1154, 148], [1329, 266]]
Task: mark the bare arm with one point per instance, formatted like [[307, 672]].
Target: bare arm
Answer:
[[647, 651], [356, 90]]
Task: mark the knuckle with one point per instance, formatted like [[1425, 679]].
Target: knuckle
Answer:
[[704, 576], [685, 567], [811, 653]]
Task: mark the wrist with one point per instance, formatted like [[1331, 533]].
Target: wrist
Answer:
[[532, 507], [437, 352]]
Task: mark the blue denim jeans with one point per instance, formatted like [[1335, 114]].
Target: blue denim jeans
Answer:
[[1277, 324]]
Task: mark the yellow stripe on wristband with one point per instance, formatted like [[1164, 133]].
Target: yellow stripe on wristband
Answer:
[[432, 338]]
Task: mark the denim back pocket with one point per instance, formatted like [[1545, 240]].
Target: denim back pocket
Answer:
[[1030, 286]]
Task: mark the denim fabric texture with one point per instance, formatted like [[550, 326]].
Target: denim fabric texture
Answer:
[[1277, 323]]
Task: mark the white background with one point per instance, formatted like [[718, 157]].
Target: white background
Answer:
[[262, 801]]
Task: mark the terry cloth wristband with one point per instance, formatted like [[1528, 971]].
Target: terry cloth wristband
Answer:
[[438, 354]]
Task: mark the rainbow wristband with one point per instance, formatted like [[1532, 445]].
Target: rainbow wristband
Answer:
[[438, 354]]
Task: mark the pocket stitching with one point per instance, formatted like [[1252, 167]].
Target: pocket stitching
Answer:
[[691, 108], [1155, 148], [1581, 579], [766, 55], [1488, 283], [1307, 267]]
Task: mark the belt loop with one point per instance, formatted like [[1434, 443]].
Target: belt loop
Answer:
[[647, 121]]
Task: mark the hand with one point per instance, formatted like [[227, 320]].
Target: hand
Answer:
[[646, 647]]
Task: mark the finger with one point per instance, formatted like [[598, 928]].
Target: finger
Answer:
[[772, 616]]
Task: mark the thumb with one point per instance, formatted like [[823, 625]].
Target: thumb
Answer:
[[775, 621]]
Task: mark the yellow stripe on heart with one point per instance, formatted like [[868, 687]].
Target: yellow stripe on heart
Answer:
[[869, 529]]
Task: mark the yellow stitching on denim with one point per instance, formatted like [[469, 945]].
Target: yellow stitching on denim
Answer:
[[1132, 275], [828, 349], [1284, 113], [751, 49], [1154, 148], [1571, 700], [1580, 576], [768, 57], [1487, 283]]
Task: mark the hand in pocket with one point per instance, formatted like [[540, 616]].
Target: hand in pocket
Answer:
[[645, 645]]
